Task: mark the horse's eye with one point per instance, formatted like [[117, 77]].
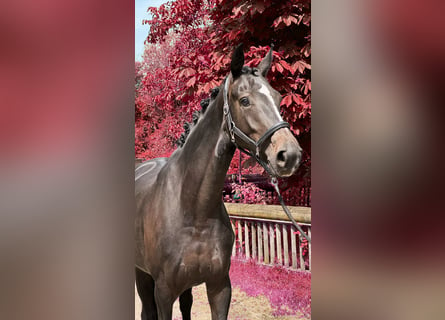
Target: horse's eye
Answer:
[[244, 102]]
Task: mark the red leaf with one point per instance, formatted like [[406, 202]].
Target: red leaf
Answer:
[[287, 66], [307, 87], [306, 51], [191, 82], [287, 100], [287, 21], [187, 72], [307, 19], [277, 21], [297, 98], [300, 65]]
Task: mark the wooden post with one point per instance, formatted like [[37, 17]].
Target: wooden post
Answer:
[[278, 233], [272, 244], [266, 245], [234, 244], [293, 243], [246, 240], [260, 242], [240, 177], [300, 249], [310, 249], [285, 246], [240, 238], [253, 231]]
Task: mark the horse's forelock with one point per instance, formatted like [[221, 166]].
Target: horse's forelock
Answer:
[[249, 70]]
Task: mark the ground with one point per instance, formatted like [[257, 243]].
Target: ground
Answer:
[[242, 307], [258, 292]]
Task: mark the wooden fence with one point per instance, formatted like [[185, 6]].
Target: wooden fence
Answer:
[[264, 233]]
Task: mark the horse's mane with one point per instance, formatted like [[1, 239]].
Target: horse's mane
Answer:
[[188, 126]]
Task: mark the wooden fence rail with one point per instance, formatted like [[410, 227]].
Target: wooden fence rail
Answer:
[[265, 234]]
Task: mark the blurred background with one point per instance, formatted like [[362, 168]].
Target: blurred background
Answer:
[[377, 159], [66, 165]]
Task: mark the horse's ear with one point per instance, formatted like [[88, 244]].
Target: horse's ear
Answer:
[[265, 64], [237, 61]]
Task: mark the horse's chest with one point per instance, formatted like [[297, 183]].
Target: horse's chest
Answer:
[[204, 258], [206, 261]]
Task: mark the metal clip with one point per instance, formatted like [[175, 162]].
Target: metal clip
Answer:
[[274, 181], [226, 109], [232, 133]]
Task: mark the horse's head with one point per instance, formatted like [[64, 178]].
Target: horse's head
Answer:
[[254, 121]]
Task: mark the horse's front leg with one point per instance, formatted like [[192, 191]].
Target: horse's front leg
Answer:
[[146, 287], [185, 304], [219, 295], [164, 300]]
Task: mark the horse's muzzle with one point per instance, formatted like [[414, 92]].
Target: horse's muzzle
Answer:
[[284, 153]]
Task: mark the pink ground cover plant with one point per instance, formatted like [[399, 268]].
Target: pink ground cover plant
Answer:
[[288, 291]]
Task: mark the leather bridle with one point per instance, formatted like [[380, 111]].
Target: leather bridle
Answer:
[[235, 132]]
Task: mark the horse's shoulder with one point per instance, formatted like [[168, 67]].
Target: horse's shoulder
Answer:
[[145, 174]]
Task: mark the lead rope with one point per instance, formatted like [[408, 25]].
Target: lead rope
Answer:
[[274, 182]]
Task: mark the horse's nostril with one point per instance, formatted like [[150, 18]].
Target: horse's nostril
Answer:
[[281, 157], [287, 158]]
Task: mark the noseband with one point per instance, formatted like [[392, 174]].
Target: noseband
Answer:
[[234, 131]]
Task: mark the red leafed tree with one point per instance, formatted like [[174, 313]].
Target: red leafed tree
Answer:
[[192, 42]]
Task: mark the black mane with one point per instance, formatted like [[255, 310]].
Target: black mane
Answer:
[[188, 126]]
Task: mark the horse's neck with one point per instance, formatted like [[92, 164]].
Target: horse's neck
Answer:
[[205, 159]]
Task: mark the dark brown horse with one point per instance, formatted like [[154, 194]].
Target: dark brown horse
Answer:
[[183, 233]]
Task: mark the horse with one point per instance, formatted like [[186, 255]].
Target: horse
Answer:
[[183, 233]]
